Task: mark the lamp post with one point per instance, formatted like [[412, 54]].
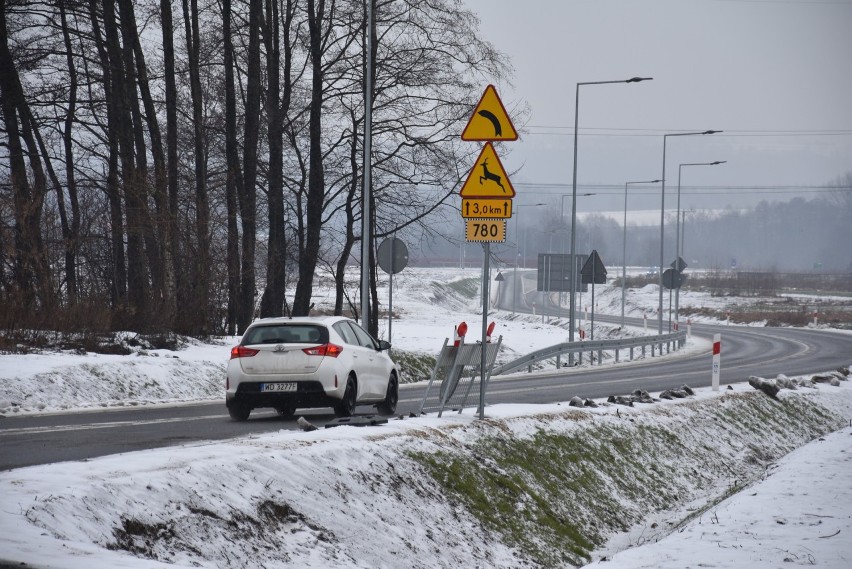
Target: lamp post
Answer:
[[572, 309], [663, 221], [624, 246], [366, 214], [571, 257], [678, 241], [518, 253]]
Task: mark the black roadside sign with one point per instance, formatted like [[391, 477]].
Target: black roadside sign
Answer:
[[672, 278], [593, 271]]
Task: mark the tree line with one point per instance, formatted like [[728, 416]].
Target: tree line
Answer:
[[187, 166], [795, 235]]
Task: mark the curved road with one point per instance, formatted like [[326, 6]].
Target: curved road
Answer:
[[49, 438]]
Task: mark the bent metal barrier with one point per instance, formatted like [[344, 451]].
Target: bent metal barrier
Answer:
[[457, 368], [457, 371], [656, 344]]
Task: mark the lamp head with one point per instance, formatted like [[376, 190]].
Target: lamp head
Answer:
[[638, 79]]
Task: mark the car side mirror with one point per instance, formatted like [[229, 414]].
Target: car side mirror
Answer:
[[384, 345]]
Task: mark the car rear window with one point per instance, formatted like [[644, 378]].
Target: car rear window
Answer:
[[287, 334]]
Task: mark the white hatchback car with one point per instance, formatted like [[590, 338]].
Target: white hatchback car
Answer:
[[289, 363]]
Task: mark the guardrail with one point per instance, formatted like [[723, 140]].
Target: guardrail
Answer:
[[675, 340]]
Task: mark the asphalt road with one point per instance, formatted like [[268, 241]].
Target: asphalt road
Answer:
[[42, 439]]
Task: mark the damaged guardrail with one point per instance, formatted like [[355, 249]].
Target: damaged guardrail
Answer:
[[657, 345]]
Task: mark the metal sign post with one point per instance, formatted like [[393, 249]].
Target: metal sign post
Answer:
[[593, 272], [393, 257], [717, 360], [487, 199], [486, 249]]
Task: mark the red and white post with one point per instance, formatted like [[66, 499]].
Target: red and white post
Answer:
[[717, 360], [459, 333]]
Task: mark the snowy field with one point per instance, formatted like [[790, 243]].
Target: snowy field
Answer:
[[426, 309], [66, 515]]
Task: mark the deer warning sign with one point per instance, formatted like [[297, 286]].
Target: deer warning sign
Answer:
[[487, 178], [489, 120]]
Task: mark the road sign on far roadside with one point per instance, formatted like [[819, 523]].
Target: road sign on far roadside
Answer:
[[672, 278], [392, 255], [678, 264], [485, 230], [486, 207], [593, 271]]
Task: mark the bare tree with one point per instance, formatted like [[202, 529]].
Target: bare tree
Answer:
[[31, 279], [262, 108], [272, 301]]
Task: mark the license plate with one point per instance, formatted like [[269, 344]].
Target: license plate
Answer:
[[278, 387]]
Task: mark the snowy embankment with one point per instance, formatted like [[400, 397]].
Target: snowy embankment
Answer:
[[531, 486]]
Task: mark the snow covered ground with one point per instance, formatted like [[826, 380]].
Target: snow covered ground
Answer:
[[799, 515], [65, 515], [426, 306]]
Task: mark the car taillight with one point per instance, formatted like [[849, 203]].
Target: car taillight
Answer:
[[242, 352], [331, 350]]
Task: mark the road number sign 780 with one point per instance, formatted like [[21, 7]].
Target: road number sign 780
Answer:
[[485, 230]]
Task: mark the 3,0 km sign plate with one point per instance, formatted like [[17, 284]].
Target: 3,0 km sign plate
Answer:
[[488, 208], [485, 230]]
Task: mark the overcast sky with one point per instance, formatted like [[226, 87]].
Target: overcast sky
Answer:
[[775, 75]]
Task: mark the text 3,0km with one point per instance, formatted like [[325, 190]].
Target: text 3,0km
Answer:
[[486, 208]]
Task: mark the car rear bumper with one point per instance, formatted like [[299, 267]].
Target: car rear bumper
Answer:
[[307, 394]]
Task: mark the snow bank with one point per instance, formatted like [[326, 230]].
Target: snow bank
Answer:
[[531, 486]]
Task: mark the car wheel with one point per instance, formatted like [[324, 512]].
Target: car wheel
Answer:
[[286, 411], [388, 406], [347, 405], [239, 412]]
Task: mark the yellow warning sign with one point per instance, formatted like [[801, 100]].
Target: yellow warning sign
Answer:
[[487, 178], [489, 121]]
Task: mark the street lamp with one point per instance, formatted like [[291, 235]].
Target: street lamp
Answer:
[[663, 221], [678, 243], [573, 295], [570, 258], [516, 215], [624, 246]]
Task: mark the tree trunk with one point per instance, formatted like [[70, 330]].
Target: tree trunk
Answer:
[[156, 227], [248, 197], [233, 177], [181, 295], [272, 302], [309, 254], [196, 319], [120, 108], [349, 209], [118, 285], [26, 201], [70, 232]]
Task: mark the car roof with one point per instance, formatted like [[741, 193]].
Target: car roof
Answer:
[[323, 320]]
